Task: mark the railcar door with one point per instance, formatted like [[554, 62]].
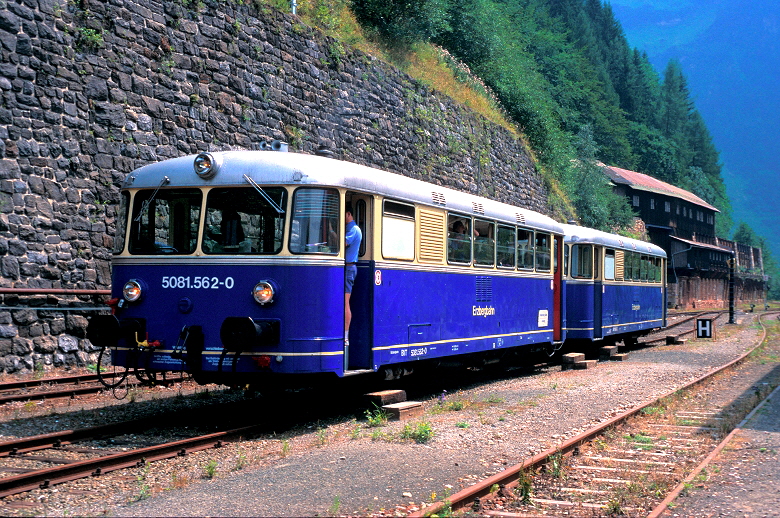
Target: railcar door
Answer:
[[598, 293], [557, 289], [362, 299]]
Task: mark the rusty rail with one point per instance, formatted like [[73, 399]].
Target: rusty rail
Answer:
[[52, 291]]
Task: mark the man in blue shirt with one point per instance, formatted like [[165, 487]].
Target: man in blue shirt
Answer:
[[352, 238]]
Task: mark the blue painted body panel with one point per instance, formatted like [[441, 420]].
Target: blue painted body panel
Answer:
[[399, 315], [625, 308], [309, 305], [422, 314]]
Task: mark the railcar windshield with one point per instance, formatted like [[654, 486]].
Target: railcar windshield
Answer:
[[240, 221], [121, 222], [165, 221], [582, 261], [314, 228]]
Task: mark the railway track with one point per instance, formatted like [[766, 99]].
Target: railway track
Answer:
[[42, 461], [683, 327], [626, 465], [68, 386]]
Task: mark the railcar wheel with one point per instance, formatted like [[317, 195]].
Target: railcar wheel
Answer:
[[109, 375]]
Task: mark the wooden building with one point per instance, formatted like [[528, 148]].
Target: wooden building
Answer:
[[684, 225]]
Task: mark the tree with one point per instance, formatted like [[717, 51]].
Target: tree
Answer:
[[745, 235], [597, 204], [404, 21]]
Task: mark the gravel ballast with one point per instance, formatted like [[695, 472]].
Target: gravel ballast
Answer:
[[350, 468]]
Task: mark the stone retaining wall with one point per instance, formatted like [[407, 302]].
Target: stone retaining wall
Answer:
[[90, 90]]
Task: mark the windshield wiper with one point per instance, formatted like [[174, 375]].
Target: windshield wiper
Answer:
[[145, 206], [264, 194]]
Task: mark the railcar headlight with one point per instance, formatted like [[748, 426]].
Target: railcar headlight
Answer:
[[263, 292], [131, 291], [206, 165]]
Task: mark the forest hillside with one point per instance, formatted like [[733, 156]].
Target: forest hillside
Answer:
[[565, 74]]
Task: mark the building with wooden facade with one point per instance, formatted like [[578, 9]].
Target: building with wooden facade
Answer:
[[684, 226]]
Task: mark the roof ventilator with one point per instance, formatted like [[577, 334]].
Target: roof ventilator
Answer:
[[323, 151], [274, 145], [438, 198], [477, 208]]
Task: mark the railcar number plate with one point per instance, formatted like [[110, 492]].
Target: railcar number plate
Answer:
[[417, 351], [197, 283]]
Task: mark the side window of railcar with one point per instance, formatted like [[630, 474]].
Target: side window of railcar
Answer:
[[505, 247], [525, 249], [637, 260], [542, 252], [628, 275], [645, 272], [609, 264], [484, 242], [398, 231], [165, 221], [314, 227], [459, 239], [659, 271], [240, 220], [582, 261], [121, 222]]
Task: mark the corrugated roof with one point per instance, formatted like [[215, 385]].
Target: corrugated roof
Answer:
[[643, 182], [696, 244]]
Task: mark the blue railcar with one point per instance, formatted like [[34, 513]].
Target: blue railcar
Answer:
[[615, 286], [230, 266]]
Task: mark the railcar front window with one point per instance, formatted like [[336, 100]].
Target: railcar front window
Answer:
[[121, 222], [582, 261], [314, 228], [165, 223], [240, 221]]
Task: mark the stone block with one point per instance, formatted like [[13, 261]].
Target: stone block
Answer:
[[572, 357], [585, 364], [386, 397], [404, 410], [619, 357]]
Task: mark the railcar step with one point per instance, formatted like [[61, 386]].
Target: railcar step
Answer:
[[607, 352], [404, 410], [386, 397], [357, 371], [572, 357]]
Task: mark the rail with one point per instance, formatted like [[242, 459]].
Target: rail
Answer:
[[466, 496], [52, 291]]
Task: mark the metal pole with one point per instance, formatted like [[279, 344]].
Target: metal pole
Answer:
[[732, 263], [294, 6]]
